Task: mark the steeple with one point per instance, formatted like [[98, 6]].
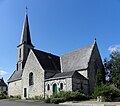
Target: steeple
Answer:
[[24, 46], [25, 37]]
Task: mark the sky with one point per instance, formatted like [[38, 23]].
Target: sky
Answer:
[[58, 27]]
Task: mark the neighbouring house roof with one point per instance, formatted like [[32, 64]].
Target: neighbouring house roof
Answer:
[[77, 59], [2, 83], [49, 62], [70, 74]]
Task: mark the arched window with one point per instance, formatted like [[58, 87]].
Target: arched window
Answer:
[[61, 86], [48, 87], [31, 79]]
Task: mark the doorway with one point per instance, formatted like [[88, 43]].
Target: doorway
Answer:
[[54, 89], [25, 92]]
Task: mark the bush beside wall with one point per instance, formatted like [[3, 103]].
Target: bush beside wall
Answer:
[[66, 96]]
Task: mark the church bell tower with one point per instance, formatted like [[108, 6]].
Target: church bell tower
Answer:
[[24, 46]]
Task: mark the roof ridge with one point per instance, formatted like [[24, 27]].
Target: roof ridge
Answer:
[[45, 52]]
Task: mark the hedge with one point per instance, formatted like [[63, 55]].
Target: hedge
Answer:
[[66, 96]]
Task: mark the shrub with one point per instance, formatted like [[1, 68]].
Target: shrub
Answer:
[[66, 96], [107, 92], [15, 97], [47, 100], [57, 100], [77, 96], [62, 94], [3, 96]]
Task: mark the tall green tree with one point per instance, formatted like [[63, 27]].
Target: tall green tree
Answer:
[[107, 67], [115, 68]]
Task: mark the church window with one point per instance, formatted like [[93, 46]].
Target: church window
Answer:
[[20, 53], [61, 86], [31, 79], [17, 66], [48, 87]]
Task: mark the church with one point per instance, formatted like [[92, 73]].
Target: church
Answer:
[[39, 73]]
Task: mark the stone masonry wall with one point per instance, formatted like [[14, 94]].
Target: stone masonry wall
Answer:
[[32, 65], [14, 88], [67, 85], [94, 64], [80, 85]]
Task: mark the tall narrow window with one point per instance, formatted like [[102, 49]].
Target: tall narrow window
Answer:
[[61, 86], [17, 66], [48, 87], [31, 79], [20, 53]]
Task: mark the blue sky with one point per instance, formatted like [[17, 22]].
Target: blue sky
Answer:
[[58, 27]]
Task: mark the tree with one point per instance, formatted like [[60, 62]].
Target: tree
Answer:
[[115, 68], [107, 67]]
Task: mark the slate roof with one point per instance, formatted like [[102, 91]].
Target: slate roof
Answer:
[[25, 37], [77, 59], [69, 74], [15, 76], [48, 61]]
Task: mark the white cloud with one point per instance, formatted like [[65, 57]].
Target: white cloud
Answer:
[[114, 48], [3, 72]]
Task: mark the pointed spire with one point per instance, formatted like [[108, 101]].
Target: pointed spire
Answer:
[[94, 43], [26, 10], [25, 37], [94, 40]]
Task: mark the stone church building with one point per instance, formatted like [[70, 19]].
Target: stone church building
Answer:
[[39, 73]]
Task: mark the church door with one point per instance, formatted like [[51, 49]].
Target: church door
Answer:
[[54, 88]]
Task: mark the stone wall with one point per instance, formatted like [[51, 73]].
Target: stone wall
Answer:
[[94, 64], [14, 88], [80, 85], [67, 85], [32, 65]]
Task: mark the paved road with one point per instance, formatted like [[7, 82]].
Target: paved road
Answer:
[[18, 103]]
